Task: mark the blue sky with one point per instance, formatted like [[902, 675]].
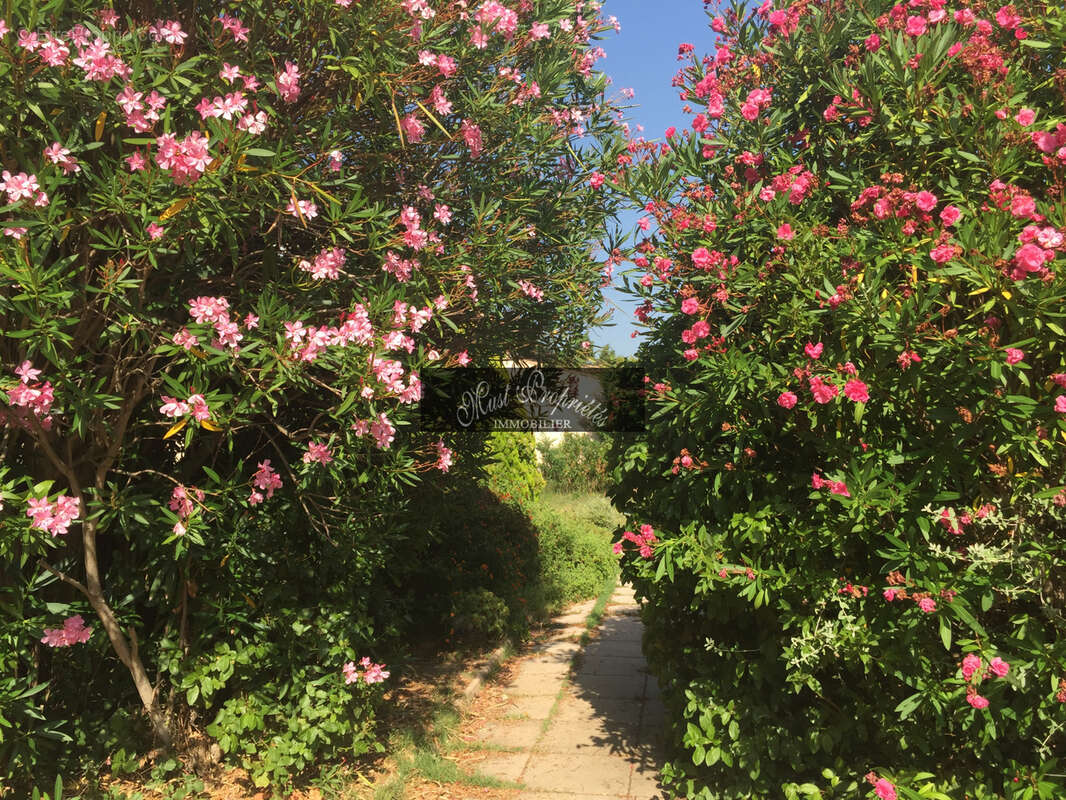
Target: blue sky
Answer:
[[644, 57]]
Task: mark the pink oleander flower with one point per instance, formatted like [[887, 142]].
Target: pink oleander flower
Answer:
[[949, 215], [60, 155], [74, 631], [823, 391], [317, 453], [970, 665], [690, 305], [167, 31], [884, 789], [977, 701], [927, 604], [785, 232], [136, 162], [302, 209], [444, 456], [999, 667], [856, 390], [1060, 404], [787, 400], [916, 26], [173, 408], [19, 186], [890, 594], [1014, 355], [266, 478], [351, 674], [288, 83], [813, 351], [817, 481], [839, 487], [198, 407], [383, 431], [926, 201], [26, 372], [154, 231], [374, 673]]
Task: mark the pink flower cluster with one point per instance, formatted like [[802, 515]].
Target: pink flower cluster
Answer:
[[265, 479], [381, 429], [182, 503], [31, 394], [374, 673], [60, 155], [883, 787], [55, 518], [317, 453], [74, 631], [307, 344], [168, 31], [288, 82], [98, 62], [23, 186], [327, 264], [531, 291], [400, 268], [835, 487], [643, 540], [186, 159], [195, 405], [141, 112], [973, 674], [1039, 247], [444, 456]]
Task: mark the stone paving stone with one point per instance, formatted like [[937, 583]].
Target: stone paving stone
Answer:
[[580, 773], [503, 766], [521, 734]]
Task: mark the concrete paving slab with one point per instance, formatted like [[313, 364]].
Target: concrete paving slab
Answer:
[[617, 713], [531, 706], [645, 785], [634, 666], [503, 766], [622, 687], [593, 773], [568, 796], [519, 734], [567, 736]]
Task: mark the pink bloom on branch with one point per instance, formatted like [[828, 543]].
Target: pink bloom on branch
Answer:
[[838, 487], [173, 408], [266, 478], [856, 390], [154, 231], [890, 594], [1014, 355], [813, 351], [999, 667], [977, 701], [317, 453], [288, 82], [444, 456], [916, 26], [926, 201], [26, 372], [927, 604], [817, 481], [74, 631], [970, 665], [1060, 404], [787, 400], [950, 215], [884, 789], [690, 305], [1025, 117], [785, 232]]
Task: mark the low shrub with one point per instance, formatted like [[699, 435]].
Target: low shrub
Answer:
[[511, 469], [576, 463], [573, 537]]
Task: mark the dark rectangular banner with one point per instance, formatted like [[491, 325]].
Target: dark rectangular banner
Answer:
[[535, 398]]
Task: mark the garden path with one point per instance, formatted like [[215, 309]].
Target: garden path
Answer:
[[580, 724]]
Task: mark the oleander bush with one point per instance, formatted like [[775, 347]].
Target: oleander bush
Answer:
[[231, 237], [847, 514]]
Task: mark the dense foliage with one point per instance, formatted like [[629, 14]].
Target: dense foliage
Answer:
[[576, 463], [232, 237], [848, 512]]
